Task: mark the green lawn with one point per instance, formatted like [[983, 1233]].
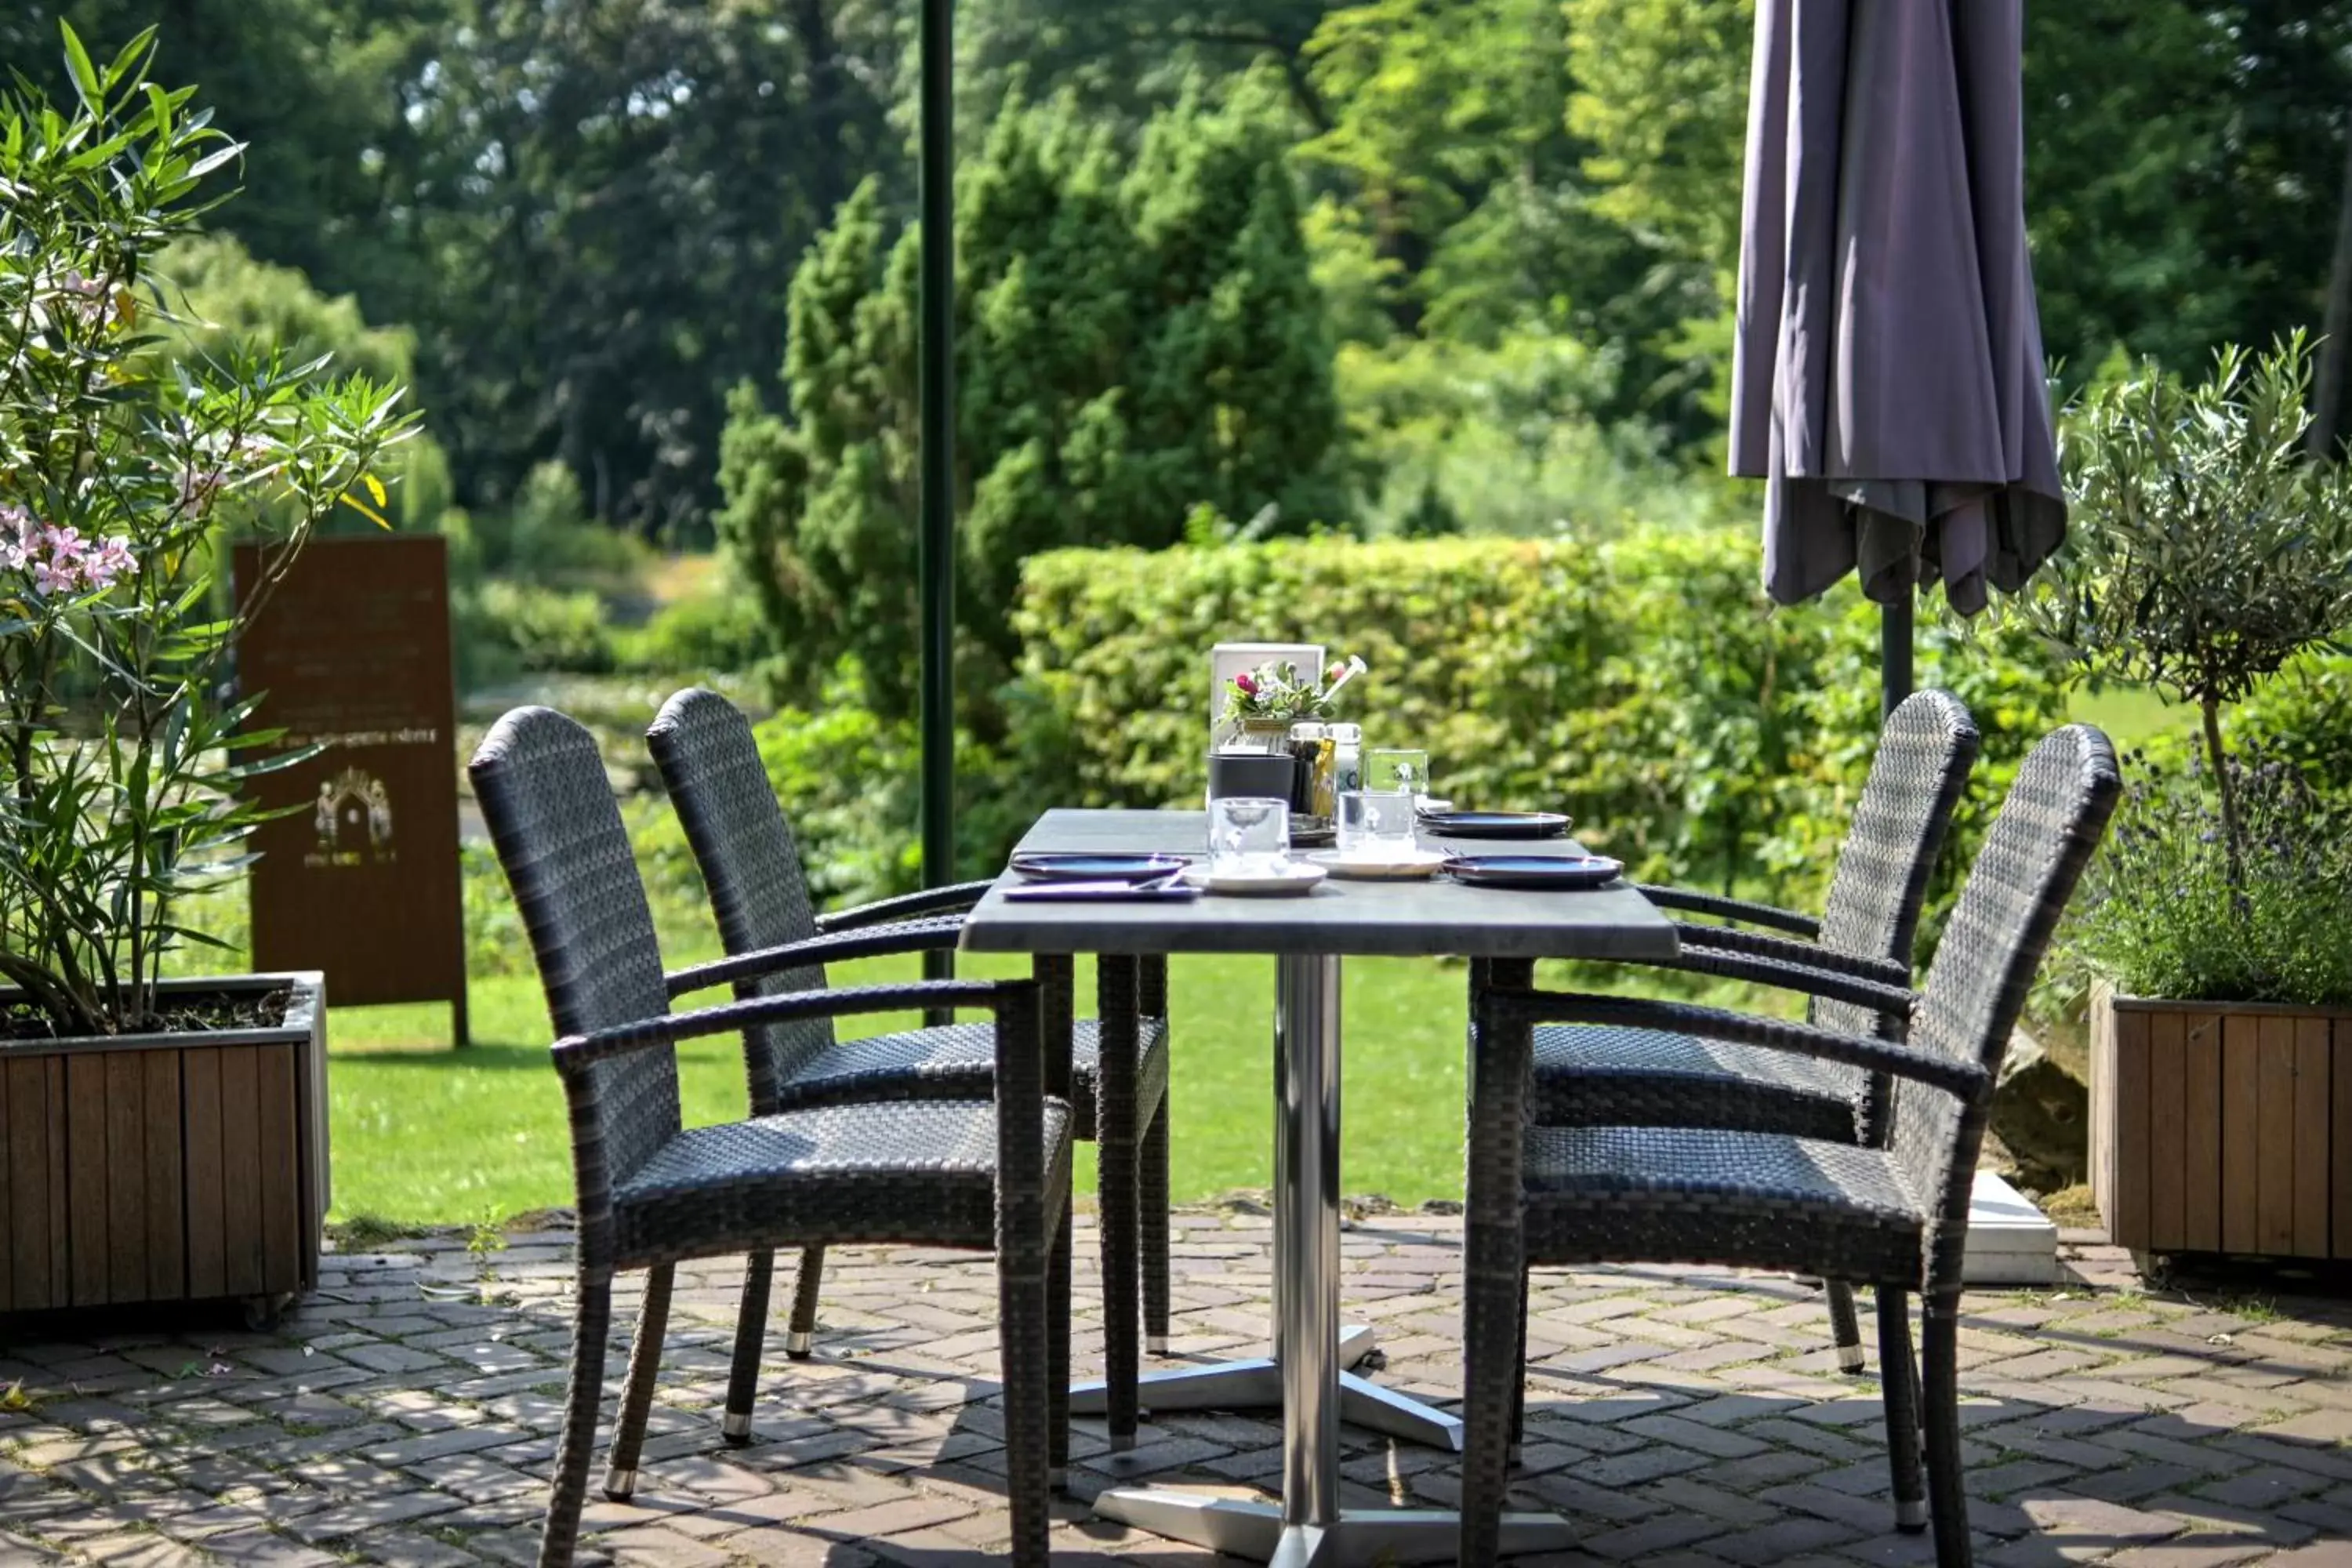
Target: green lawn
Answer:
[[2132, 715], [426, 1134]]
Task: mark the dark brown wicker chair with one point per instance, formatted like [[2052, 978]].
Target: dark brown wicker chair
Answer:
[[989, 1174], [1591, 1075], [1895, 1218], [749, 859]]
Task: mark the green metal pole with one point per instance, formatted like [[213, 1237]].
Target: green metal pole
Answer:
[[935, 558], [1895, 639]]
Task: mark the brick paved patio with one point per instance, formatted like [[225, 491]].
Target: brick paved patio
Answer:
[[406, 1416]]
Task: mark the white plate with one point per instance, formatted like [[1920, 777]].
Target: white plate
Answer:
[[1297, 877], [1407, 866]]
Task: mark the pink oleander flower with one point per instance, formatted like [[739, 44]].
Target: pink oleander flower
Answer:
[[19, 533], [106, 562]]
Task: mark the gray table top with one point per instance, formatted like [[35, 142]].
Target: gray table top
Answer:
[[1396, 920]]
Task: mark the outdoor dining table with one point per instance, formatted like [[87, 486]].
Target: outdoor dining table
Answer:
[[1307, 936]]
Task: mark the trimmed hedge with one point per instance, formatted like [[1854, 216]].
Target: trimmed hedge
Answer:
[[1642, 684]]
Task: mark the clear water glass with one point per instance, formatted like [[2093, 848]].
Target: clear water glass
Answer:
[[1376, 825], [1249, 836], [1389, 769]]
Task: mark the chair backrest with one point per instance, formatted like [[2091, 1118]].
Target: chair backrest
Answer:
[[1925, 752], [2053, 820], [710, 763], [558, 832]]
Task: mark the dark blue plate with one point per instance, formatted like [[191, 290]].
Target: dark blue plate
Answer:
[[1494, 824], [1077, 868], [1544, 871]]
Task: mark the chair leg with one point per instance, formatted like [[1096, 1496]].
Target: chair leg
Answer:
[[1058, 1355], [750, 1339], [1495, 1271], [638, 1393], [1519, 1384], [1491, 1375], [1901, 1396], [592, 1322], [800, 1334], [1151, 1201], [1024, 1330], [1846, 1326], [1947, 1497]]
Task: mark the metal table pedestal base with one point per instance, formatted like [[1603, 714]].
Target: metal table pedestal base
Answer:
[[1257, 1385], [1308, 1526]]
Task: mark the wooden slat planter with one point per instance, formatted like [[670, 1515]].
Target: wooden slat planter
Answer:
[[167, 1167], [2221, 1126]]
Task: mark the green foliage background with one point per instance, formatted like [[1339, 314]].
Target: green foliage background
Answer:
[[584, 212]]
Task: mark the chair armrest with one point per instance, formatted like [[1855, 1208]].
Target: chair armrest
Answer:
[[1789, 950], [1740, 909], [930, 900], [911, 936], [578, 1051], [1966, 1079], [1890, 1002]]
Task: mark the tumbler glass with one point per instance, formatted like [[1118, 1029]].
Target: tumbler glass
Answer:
[[1376, 825], [1389, 768], [1248, 837]]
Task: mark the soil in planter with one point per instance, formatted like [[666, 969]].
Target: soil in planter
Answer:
[[188, 1013]]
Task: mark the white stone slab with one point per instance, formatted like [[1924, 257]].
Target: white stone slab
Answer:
[[2011, 1242]]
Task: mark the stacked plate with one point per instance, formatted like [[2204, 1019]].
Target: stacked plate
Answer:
[[1494, 824], [1534, 872]]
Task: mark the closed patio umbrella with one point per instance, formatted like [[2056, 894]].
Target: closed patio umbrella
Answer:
[[1888, 381]]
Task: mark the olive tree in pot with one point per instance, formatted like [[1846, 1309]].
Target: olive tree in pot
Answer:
[[2208, 549], [161, 1139]]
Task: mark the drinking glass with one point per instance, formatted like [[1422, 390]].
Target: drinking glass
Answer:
[[1388, 769], [1249, 836], [1376, 825]]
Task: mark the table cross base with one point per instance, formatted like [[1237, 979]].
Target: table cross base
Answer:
[[1257, 1385]]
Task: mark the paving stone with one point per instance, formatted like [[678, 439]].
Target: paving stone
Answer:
[[1679, 1418], [398, 1549]]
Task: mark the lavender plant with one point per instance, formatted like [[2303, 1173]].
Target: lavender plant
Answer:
[[2164, 915], [121, 477]]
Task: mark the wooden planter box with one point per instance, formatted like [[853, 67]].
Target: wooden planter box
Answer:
[[167, 1167], [2221, 1126]]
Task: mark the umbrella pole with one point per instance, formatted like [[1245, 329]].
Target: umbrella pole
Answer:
[[1894, 655], [935, 553]]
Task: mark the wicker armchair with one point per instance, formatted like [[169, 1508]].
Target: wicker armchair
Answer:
[[989, 1174], [1894, 1217], [1589, 1075], [749, 860]]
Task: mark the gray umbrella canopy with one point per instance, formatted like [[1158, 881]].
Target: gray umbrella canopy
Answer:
[[1888, 376]]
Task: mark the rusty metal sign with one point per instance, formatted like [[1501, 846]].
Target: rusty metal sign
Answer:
[[360, 878]]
